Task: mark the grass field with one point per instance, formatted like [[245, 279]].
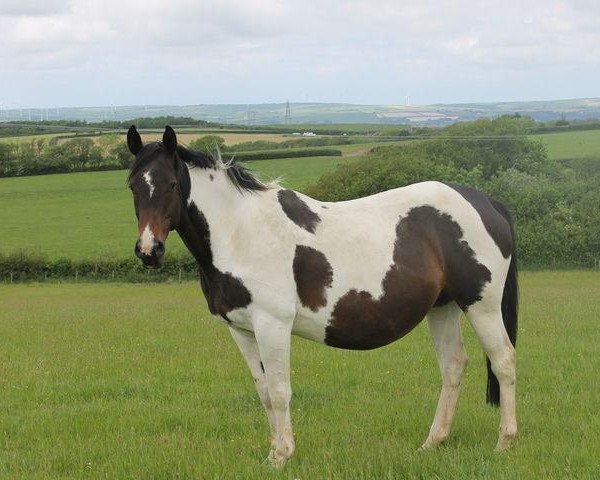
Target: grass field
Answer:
[[572, 144], [137, 381], [90, 215]]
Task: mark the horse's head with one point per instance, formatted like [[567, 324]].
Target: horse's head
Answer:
[[155, 180]]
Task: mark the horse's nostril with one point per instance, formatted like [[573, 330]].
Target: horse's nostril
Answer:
[[159, 249], [137, 251]]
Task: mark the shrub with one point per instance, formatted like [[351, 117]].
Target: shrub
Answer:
[[294, 153], [555, 209]]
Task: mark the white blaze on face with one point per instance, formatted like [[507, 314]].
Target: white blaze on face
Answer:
[[148, 179], [147, 241]]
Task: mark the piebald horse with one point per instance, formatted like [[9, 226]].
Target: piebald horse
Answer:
[[357, 274]]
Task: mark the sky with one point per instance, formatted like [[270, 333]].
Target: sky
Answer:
[[57, 53]]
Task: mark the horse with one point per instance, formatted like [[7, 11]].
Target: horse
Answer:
[[355, 274]]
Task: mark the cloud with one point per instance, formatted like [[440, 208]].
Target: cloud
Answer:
[[356, 50], [10, 8]]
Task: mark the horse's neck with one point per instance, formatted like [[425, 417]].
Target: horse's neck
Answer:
[[215, 213]]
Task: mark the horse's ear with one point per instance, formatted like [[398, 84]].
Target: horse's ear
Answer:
[[170, 140], [134, 141]]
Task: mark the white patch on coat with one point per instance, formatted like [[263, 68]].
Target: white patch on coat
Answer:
[[147, 241], [148, 179]]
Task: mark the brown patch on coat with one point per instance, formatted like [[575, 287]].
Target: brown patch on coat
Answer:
[[313, 274], [430, 261], [494, 221], [223, 291], [298, 211]]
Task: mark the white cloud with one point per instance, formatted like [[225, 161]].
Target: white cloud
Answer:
[[190, 51]]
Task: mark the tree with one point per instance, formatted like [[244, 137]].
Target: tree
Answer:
[[208, 143], [121, 155], [81, 151]]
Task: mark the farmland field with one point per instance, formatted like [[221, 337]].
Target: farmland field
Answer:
[[29, 138], [574, 144], [40, 213], [230, 138], [137, 381]]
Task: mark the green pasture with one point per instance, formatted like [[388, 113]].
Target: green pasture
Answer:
[[90, 215], [573, 144], [138, 381]]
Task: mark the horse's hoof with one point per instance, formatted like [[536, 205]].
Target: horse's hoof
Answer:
[[276, 461], [505, 440], [432, 442]]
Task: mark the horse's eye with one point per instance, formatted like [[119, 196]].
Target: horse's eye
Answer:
[[173, 185]]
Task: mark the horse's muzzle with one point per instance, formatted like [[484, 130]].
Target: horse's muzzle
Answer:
[[153, 259]]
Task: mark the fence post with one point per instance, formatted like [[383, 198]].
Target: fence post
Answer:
[[76, 275], [11, 277], [180, 275]]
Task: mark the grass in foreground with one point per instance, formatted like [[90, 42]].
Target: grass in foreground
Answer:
[[138, 381]]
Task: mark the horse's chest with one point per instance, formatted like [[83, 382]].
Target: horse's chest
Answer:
[[224, 294]]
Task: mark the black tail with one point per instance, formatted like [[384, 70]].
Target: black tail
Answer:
[[510, 309]]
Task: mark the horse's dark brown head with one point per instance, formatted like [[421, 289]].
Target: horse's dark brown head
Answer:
[[155, 180]]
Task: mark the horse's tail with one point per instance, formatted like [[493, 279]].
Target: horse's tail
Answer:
[[510, 307]]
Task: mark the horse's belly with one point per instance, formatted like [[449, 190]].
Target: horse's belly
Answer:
[[370, 330], [360, 321], [310, 326]]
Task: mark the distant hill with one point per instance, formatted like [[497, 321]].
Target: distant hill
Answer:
[[322, 113]]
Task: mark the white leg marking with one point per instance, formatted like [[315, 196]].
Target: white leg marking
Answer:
[[444, 327], [246, 342], [148, 179], [274, 339], [492, 335], [147, 241]]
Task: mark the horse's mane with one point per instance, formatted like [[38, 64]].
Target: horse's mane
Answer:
[[242, 178]]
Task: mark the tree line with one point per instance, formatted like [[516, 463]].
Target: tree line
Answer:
[[19, 128], [41, 156], [555, 204]]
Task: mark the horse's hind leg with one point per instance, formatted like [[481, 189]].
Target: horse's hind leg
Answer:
[[444, 327], [486, 318]]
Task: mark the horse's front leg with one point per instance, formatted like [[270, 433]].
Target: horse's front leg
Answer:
[[246, 342], [274, 338]]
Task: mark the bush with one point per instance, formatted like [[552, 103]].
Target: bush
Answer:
[[555, 209], [29, 266], [208, 143], [293, 143], [295, 153]]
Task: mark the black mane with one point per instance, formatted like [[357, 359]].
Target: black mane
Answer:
[[242, 178]]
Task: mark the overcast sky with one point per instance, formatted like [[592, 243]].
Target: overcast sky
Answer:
[[101, 52]]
